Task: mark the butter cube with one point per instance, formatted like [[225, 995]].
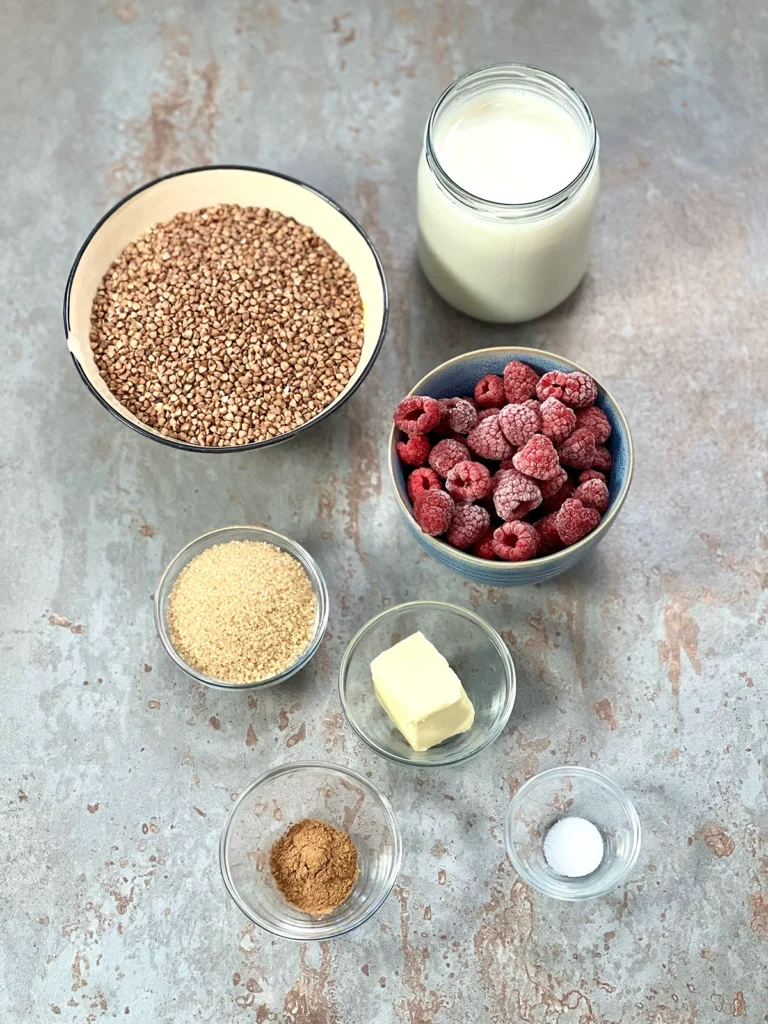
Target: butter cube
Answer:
[[421, 693]]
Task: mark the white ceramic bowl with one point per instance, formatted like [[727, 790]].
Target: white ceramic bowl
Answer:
[[190, 190]]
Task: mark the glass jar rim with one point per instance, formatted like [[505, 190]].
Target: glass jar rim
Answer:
[[547, 203]]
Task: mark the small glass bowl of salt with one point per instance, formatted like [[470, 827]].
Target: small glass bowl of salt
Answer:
[[572, 834]]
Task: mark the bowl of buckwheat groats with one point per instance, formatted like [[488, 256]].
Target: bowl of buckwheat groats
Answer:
[[225, 309], [509, 464]]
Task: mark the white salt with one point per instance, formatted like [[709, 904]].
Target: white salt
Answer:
[[573, 847]]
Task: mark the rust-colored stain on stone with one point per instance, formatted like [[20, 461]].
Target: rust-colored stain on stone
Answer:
[[309, 1000], [65, 623], [346, 33], [758, 904], [334, 737], [284, 716], [420, 1007], [739, 1005], [717, 839], [80, 967], [147, 530], [92, 808], [298, 736], [178, 130], [125, 13], [251, 739], [214, 723], [529, 749], [519, 985], [681, 634], [153, 705], [603, 708]]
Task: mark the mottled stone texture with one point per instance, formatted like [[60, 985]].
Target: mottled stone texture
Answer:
[[648, 662]]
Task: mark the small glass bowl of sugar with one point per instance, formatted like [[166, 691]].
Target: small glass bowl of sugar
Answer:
[[572, 834]]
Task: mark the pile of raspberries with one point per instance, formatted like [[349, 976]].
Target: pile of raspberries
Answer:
[[515, 471]]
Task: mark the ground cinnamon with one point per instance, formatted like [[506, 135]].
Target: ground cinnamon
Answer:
[[314, 866]]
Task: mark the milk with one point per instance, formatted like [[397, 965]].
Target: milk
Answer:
[[507, 185]]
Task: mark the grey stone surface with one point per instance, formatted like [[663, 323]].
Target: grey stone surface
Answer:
[[648, 663]]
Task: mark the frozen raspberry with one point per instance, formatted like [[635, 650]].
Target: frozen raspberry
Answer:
[[557, 420], [516, 542], [417, 415], [593, 493], [489, 391], [553, 485], [457, 415], [580, 390], [469, 524], [576, 389], [575, 521], [551, 385], [415, 451], [591, 474], [483, 548], [492, 410], [520, 422], [469, 481], [554, 501], [549, 538], [433, 511], [594, 420], [578, 450], [514, 495], [520, 381], [602, 460], [538, 458], [446, 454], [487, 440], [422, 480]]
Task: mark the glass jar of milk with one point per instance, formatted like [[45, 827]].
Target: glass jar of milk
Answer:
[[507, 185]]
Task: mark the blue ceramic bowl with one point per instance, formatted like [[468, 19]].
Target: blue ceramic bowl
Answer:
[[458, 377]]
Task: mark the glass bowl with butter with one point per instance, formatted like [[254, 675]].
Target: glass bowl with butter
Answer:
[[427, 684]]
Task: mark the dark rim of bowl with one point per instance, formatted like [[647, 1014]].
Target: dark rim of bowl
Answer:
[[182, 445], [556, 556]]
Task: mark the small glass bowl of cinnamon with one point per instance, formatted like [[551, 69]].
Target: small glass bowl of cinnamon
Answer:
[[286, 796]]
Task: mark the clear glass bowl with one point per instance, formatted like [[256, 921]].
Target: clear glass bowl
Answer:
[[222, 536], [580, 792], [280, 798], [474, 650]]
